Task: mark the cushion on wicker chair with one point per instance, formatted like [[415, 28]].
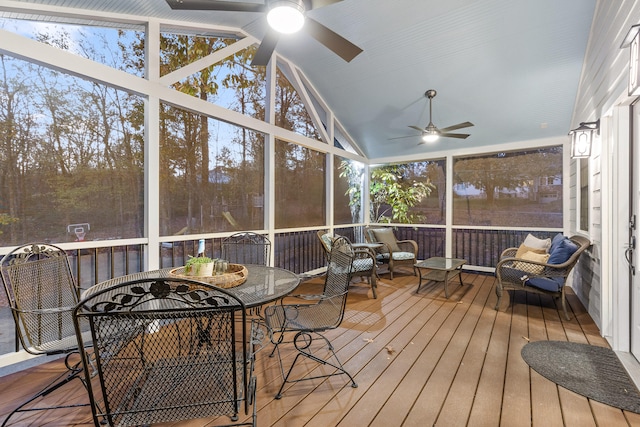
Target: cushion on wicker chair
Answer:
[[552, 284], [561, 251], [532, 256], [556, 239], [327, 239], [362, 264], [385, 235], [397, 256], [536, 243], [522, 249]]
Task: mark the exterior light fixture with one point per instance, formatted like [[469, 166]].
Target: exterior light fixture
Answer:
[[582, 139], [286, 16], [632, 40]]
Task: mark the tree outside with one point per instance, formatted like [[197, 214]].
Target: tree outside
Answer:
[[394, 190], [518, 188]]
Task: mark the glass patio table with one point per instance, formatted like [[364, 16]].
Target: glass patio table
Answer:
[[440, 270], [263, 285]]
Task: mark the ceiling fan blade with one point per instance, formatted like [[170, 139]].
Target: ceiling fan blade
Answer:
[[455, 135], [458, 126], [216, 5], [315, 4], [417, 128], [335, 42], [403, 137], [266, 48]]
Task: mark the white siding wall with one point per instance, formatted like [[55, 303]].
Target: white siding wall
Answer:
[[603, 83]]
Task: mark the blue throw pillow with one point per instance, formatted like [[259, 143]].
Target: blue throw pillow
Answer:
[[562, 251], [557, 239]]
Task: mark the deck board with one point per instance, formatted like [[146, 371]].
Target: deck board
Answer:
[[419, 360]]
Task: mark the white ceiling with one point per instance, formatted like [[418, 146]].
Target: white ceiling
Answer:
[[511, 67]]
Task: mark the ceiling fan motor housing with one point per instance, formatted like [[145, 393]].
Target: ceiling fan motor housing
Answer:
[[295, 4]]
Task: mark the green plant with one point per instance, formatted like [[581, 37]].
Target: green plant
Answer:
[[195, 262], [393, 191]]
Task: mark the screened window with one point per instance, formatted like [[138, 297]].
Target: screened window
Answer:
[[347, 197], [211, 175], [231, 83], [108, 45], [431, 209], [511, 189], [399, 193], [291, 113], [71, 158], [300, 186]]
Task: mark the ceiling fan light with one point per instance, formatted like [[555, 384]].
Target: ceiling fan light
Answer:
[[286, 16], [430, 137]]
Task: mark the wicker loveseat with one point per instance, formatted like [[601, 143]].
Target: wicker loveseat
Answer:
[[526, 273]]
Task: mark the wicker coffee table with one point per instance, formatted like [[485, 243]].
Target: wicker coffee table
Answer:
[[440, 270]]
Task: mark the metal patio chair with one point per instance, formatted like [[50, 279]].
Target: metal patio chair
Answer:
[[246, 248], [308, 321], [42, 294], [168, 349], [364, 262]]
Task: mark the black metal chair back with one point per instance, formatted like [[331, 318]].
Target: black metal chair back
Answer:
[[364, 262], [42, 294], [246, 248], [307, 321], [167, 349], [331, 306]]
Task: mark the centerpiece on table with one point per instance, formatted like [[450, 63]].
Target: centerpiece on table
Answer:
[[204, 269], [199, 266]]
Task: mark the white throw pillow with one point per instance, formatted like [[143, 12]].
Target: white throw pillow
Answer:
[[536, 243]]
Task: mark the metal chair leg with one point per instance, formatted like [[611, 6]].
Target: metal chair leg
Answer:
[[302, 342], [73, 372]]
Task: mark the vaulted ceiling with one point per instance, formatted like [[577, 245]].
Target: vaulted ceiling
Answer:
[[511, 67]]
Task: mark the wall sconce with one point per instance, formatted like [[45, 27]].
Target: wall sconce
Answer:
[[582, 138], [632, 39]]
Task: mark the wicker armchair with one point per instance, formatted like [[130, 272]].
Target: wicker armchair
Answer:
[[364, 262], [536, 277], [393, 252]]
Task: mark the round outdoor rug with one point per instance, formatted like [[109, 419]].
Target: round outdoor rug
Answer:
[[591, 371]]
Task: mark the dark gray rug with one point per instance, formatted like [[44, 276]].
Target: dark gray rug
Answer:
[[591, 371]]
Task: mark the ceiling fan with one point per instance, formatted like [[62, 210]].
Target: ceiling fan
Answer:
[[284, 17], [431, 133]]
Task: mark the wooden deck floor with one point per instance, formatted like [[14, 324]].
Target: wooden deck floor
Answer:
[[419, 360]]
